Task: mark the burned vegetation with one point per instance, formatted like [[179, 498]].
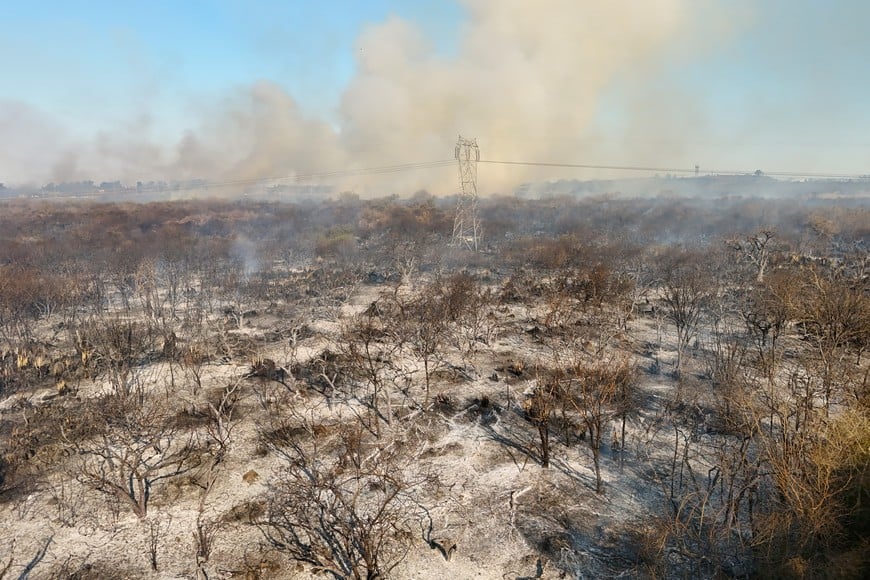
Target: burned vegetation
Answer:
[[611, 388]]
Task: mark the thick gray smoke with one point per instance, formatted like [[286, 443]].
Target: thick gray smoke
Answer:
[[527, 80]]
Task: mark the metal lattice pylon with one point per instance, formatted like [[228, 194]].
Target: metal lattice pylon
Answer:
[[466, 226]]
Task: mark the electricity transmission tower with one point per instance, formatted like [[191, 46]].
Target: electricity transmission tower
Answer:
[[466, 227]]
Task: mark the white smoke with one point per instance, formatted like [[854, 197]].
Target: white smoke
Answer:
[[526, 80]]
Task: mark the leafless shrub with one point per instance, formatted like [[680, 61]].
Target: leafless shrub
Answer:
[[765, 311], [756, 249], [138, 446], [475, 323], [203, 542], [117, 346], [369, 348], [686, 291], [326, 373], [154, 529], [819, 475], [705, 524], [193, 358], [726, 369], [36, 444], [538, 408], [518, 288], [833, 316], [423, 327], [597, 392], [68, 501], [220, 428], [351, 516]]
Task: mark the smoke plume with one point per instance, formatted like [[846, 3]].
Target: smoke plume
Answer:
[[526, 79]]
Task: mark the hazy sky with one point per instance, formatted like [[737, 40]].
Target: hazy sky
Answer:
[[229, 89]]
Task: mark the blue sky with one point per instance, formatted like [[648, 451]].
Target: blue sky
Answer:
[[92, 62], [777, 84]]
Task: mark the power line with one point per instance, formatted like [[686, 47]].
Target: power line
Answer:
[[585, 166], [389, 169], [386, 169], [680, 170], [423, 165]]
